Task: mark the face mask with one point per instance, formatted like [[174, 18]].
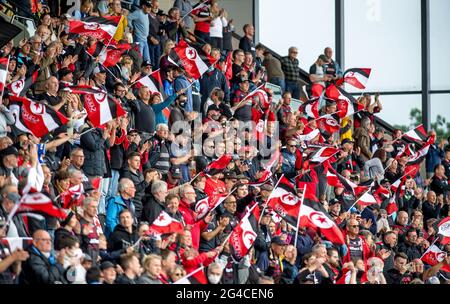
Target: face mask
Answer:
[[214, 279], [216, 117], [46, 254], [182, 103]]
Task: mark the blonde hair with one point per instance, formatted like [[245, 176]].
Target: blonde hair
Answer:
[[149, 258]]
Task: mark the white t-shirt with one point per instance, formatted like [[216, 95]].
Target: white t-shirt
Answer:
[[216, 27]]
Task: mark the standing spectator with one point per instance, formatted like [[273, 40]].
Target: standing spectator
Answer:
[[274, 70], [363, 139], [185, 7], [291, 70], [246, 43], [140, 22], [439, 182], [181, 82], [202, 18], [116, 204], [144, 116], [238, 61], [90, 228], [434, 156], [154, 41], [218, 23], [318, 77], [431, 207], [332, 67]]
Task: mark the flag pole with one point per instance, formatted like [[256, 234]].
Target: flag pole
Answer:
[[370, 188], [193, 9], [189, 275], [231, 192], [298, 217], [117, 79], [435, 240], [136, 81], [245, 98], [265, 207]]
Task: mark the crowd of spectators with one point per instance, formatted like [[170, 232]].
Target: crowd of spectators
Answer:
[[137, 165]]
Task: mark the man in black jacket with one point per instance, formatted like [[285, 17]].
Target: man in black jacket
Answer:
[[43, 267], [131, 269], [409, 246], [140, 182], [154, 204], [246, 43], [124, 235]]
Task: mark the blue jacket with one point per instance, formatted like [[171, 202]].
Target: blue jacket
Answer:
[[159, 107], [113, 207], [368, 214], [433, 158], [288, 165], [181, 82]]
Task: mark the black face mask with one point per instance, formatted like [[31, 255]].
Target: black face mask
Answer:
[[182, 103]]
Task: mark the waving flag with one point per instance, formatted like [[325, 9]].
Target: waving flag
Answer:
[[34, 117], [433, 256], [38, 202], [153, 82], [284, 201], [367, 199], [329, 123], [313, 215], [21, 86], [108, 55], [267, 173], [417, 134], [102, 108], [334, 179], [207, 204], [347, 105], [15, 243], [310, 180], [72, 197], [219, 165], [242, 238], [82, 89], [322, 154], [413, 164], [444, 230], [164, 223], [310, 107], [356, 77], [194, 61], [103, 28], [4, 62]]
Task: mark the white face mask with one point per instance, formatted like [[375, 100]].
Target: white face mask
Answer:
[[214, 279], [46, 254]]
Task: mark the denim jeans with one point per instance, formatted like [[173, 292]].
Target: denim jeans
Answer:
[[155, 53], [113, 184], [104, 184], [143, 49], [294, 88], [279, 82]]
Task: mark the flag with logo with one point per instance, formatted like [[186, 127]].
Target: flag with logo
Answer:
[[284, 201], [242, 238], [207, 204], [313, 215], [40, 203], [347, 105], [435, 255], [4, 62], [102, 28], [109, 55], [153, 81], [444, 230], [102, 108], [193, 60], [356, 77], [310, 107], [21, 86], [72, 196], [34, 117], [164, 223]]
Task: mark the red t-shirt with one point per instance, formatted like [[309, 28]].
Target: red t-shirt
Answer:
[[202, 26]]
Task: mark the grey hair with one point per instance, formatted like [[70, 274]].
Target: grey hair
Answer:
[[87, 201], [161, 126], [365, 123], [123, 183], [214, 266], [183, 190], [316, 248], [292, 48], [157, 186], [73, 171], [75, 150]]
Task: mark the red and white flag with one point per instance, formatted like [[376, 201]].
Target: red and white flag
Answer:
[[414, 162], [417, 134], [102, 108], [219, 165], [194, 61], [34, 117], [322, 154], [329, 123], [4, 62], [38, 202], [336, 180], [356, 77], [109, 55], [103, 28], [367, 199], [311, 215], [72, 197], [347, 105], [207, 204], [310, 107], [164, 223], [434, 255], [284, 201], [153, 82], [267, 173], [444, 230], [21, 86], [242, 238]]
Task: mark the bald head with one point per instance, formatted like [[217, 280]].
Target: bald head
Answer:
[[42, 241]]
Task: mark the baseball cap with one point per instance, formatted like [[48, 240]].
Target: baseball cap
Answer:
[[105, 265], [333, 201], [277, 240], [347, 141], [175, 172], [11, 150], [146, 63]]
